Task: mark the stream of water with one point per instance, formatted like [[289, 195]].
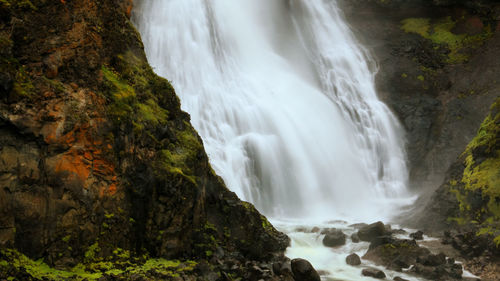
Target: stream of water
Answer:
[[284, 99]]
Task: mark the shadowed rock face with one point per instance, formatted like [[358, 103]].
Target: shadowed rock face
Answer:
[[438, 71], [94, 146], [441, 90]]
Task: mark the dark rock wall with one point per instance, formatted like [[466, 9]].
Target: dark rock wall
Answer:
[[469, 198], [438, 71], [95, 149], [439, 67]]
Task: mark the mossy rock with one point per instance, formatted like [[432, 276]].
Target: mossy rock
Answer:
[[440, 33], [397, 254], [16, 266], [478, 189]]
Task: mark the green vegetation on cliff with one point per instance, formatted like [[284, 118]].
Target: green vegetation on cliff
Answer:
[[134, 76], [440, 33], [478, 191], [133, 91]]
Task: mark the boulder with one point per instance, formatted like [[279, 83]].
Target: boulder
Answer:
[[432, 260], [381, 240], [304, 271], [353, 259], [372, 231], [373, 272], [419, 235], [441, 272], [397, 278], [396, 254], [399, 231], [334, 238]]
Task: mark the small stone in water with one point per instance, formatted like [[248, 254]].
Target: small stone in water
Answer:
[[353, 259], [373, 272], [419, 235]]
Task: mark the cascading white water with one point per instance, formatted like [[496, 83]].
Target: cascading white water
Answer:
[[284, 100]]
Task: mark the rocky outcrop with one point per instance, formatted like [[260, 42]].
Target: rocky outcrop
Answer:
[[95, 153], [438, 71], [397, 254], [469, 199]]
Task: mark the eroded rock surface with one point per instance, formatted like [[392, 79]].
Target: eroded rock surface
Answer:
[[95, 152]]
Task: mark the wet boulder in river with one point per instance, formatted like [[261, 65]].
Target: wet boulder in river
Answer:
[[304, 271], [353, 259], [334, 238], [373, 272], [419, 235], [372, 231]]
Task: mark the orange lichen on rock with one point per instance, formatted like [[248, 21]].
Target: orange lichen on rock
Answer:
[[84, 160], [129, 5], [112, 189], [50, 132], [75, 165]]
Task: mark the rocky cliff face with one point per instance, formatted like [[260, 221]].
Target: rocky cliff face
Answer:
[[466, 207], [470, 195], [95, 152], [438, 71]]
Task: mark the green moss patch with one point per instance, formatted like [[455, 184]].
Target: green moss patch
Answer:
[[439, 32], [131, 90], [180, 155], [19, 4], [140, 102], [420, 26], [23, 85], [479, 190], [14, 261]]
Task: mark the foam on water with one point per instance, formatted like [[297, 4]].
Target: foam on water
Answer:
[[308, 245]]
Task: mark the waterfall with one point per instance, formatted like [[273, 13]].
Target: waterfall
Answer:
[[284, 99]]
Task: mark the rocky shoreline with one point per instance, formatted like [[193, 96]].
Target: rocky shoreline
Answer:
[[412, 254]]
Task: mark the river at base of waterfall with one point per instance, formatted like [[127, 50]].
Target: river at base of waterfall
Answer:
[[330, 262]]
